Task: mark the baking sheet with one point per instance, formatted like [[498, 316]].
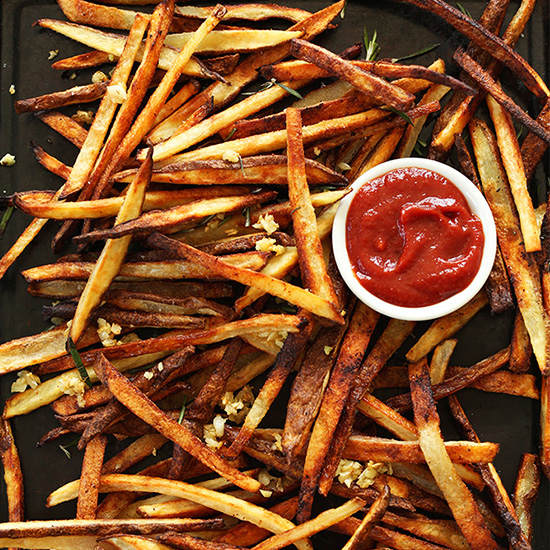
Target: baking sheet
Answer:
[[401, 30]]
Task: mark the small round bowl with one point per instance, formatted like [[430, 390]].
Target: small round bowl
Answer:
[[478, 206]]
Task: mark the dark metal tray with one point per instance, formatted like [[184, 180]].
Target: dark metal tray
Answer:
[[402, 30]]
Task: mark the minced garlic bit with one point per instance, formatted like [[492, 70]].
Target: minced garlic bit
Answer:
[[236, 407], [72, 76], [160, 367], [7, 160], [278, 443], [231, 156], [265, 493], [273, 483], [99, 76], [25, 379], [148, 374], [76, 387], [107, 332], [350, 471], [328, 349], [83, 117], [214, 222], [231, 232], [267, 223], [11, 89], [52, 54], [269, 245], [210, 437], [116, 93], [344, 167]]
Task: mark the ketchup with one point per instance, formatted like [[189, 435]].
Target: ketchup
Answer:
[[412, 239]]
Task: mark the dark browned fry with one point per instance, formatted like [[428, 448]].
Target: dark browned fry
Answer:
[[50, 163], [372, 86], [488, 42], [13, 474], [86, 60], [65, 126], [78, 94]]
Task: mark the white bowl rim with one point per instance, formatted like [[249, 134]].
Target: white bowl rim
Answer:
[[478, 205]]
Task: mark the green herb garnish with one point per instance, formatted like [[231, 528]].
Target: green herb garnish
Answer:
[[78, 362], [182, 410], [416, 54], [287, 89], [463, 10], [246, 214], [371, 46], [65, 448], [403, 115], [230, 135], [5, 219]]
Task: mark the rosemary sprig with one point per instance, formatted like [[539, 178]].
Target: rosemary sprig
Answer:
[[269, 84], [427, 49], [5, 219], [65, 448], [371, 46], [403, 115], [182, 410], [463, 10], [71, 348], [230, 135]]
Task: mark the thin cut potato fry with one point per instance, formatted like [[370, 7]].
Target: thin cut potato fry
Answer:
[[310, 253], [521, 349], [523, 272], [113, 254], [511, 159], [295, 295], [13, 474], [440, 360], [89, 478], [526, 491], [375, 513], [65, 126], [445, 328], [249, 12], [218, 501], [372, 86], [456, 493]]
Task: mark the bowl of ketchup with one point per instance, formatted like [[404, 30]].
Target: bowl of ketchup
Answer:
[[414, 239]]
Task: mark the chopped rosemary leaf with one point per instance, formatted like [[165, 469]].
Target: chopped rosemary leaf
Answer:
[[427, 49], [287, 89], [5, 219], [78, 362], [242, 165], [230, 135], [65, 448], [182, 411], [371, 46], [295, 210], [463, 10], [403, 115], [343, 12]]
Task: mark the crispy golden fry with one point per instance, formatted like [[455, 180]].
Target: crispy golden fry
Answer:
[[50, 163], [113, 254], [445, 327], [526, 491], [86, 60], [89, 478], [291, 70], [167, 220], [372, 86], [460, 500], [248, 12], [218, 501], [365, 448], [545, 425], [523, 271], [65, 126], [264, 170], [310, 254], [293, 294], [142, 407], [361, 326], [13, 475], [521, 349], [501, 500]]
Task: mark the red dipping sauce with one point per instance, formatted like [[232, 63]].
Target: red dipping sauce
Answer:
[[412, 239]]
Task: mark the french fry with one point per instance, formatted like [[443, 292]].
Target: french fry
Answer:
[[65, 126], [440, 360], [312, 263], [445, 327], [86, 60], [526, 491], [78, 94], [248, 12], [89, 478], [13, 475], [218, 501], [361, 326], [501, 500], [113, 254], [523, 272], [460, 500], [281, 289], [372, 86]]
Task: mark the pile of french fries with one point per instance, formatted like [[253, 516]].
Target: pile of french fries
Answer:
[[197, 290]]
